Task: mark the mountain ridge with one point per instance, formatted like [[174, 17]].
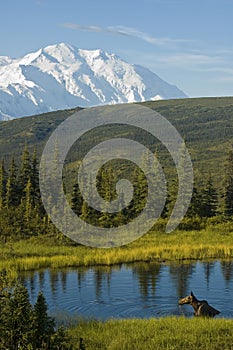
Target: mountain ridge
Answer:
[[62, 76]]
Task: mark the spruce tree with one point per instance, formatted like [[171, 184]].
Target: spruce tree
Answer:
[[209, 199], [195, 206], [121, 217], [43, 325], [4, 307], [138, 202], [25, 170], [12, 192], [27, 202], [185, 180], [19, 323], [21, 326], [34, 177], [77, 200], [60, 340], [171, 196], [107, 192], [85, 212], [228, 185]]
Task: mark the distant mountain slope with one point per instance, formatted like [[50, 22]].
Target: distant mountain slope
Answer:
[[205, 123], [62, 76]]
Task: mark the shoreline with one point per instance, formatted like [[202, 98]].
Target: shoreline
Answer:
[[180, 246]]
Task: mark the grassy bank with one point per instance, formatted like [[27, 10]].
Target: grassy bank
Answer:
[[156, 334], [41, 252]]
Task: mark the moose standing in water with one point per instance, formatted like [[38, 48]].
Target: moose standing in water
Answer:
[[201, 307]]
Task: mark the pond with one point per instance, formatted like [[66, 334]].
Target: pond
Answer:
[[141, 290]]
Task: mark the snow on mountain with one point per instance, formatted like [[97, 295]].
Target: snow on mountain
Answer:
[[62, 76]]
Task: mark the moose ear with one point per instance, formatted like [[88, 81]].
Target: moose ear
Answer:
[[192, 295]]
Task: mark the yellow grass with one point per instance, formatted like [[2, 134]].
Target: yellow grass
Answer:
[[43, 252]]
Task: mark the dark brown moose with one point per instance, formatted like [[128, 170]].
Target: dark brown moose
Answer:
[[201, 307]]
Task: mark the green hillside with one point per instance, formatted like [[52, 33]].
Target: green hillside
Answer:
[[207, 126], [205, 123], [33, 130]]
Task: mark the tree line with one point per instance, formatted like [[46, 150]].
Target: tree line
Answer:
[[21, 208], [207, 201], [22, 212]]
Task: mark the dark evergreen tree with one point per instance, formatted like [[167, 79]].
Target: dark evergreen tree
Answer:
[[209, 203], [194, 208], [85, 212], [25, 169], [35, 188], [19, 323], [228, 185], [43, 325], [21, 326], [12, 190], [4, 307], [140, 193], [60, 340], [27, 201], [185, 180], [171, 196], [121, 217], [107, 192], [76, 200]]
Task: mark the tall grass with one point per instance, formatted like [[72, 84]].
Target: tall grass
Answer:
[[43, 252], [155, 334]]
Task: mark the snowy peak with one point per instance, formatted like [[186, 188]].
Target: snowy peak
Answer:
[[62, 53], [30, 58], [63, 76]]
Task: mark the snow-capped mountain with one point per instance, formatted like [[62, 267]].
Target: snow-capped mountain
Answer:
[[62, 76]]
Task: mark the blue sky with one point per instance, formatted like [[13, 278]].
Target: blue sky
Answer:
[[188, 43]]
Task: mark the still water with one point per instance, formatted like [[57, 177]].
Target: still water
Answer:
[[137, 290]]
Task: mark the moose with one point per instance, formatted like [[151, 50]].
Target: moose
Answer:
[[201, 307]]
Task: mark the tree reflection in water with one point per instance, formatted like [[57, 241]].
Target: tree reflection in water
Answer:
[[147, 274]]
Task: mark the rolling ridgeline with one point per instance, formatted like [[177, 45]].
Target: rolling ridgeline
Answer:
[[206, 124]]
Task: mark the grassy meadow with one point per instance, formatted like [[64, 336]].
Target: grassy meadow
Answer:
[[212, 242], [169, 333]]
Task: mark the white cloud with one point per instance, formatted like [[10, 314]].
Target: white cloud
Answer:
[[125, 31]]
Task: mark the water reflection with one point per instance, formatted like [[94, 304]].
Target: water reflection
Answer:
[[208, 270], [136, 290], [227, 270], [181, 275], [148, 275]]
